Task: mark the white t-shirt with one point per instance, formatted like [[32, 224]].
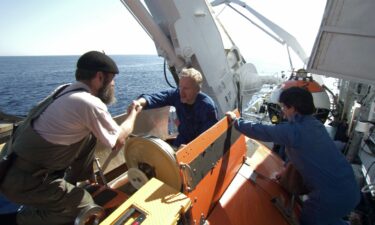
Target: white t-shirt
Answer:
[[74, 115]]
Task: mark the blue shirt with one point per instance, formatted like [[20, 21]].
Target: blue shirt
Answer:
[[311, 150], [194, 119]]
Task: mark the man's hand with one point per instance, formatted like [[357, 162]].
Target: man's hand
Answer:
[[181, 146], [135, 105], [127, 125], [231, 116]]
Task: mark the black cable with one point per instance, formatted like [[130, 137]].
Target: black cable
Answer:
[[165, 75], [370, 153], [368, 91], [368, 170], [239, 98], [364, 141]]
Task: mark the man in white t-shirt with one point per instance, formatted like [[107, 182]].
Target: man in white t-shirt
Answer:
[[53, 148]]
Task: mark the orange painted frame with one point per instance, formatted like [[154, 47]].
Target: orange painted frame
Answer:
[[312, 86], [209, 190]]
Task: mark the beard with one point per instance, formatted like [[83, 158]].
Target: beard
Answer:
[[107, 93]]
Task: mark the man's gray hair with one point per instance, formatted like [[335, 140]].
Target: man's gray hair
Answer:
[[193, 74]]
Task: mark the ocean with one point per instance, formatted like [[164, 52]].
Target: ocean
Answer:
[[26, 80]]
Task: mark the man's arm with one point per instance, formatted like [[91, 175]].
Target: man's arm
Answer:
[[211, 118], [128, 125], [208, 114], [159, 99], [141, 102], [280, 134]]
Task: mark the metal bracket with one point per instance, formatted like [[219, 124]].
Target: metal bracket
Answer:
[[208, 159], [287, 212], [187, 176]]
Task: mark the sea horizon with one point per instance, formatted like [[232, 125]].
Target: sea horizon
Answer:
[[26, 80]]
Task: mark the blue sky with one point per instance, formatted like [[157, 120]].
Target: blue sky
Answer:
[[71, 27]]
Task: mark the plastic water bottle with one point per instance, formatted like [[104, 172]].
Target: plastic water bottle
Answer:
[[172, 126]]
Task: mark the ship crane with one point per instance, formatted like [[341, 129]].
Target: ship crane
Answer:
[[186, 35], [280, 35]]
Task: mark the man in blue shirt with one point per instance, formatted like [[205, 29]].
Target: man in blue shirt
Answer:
[[333, 191], [195, 110]]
